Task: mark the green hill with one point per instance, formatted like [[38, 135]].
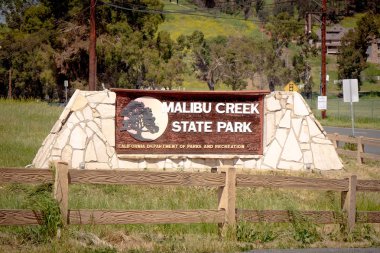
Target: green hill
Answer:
[[217, 24], [228, 25]]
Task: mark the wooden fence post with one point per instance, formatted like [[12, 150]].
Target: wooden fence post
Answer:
[[61, 189], [227, 200], [348, 202], [360, 149]]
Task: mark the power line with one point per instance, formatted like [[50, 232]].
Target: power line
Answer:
[[190, 13]]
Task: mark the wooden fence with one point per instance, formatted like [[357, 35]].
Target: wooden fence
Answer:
[[226, 179], [359, 143]]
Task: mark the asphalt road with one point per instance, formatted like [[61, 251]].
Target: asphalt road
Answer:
[[321, 250], [371, 133]]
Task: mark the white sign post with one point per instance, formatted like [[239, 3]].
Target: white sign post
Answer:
[[322, 102], [351, 94], [66, 84]]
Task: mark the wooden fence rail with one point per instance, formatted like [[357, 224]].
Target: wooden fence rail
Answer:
[[226, 180], [360, 143]]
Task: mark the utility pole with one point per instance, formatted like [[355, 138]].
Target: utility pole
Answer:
[[92, 48], [323, 65], [10, 84]]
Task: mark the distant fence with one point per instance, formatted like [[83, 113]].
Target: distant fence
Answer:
[[227, 180], [365, 108], [359, 143]]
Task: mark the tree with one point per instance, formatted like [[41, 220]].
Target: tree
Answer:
[[352, 54], [283, 30], [138, 119], [235, 67], [350, 61], [50, 42], [206, 61], [301, 63]]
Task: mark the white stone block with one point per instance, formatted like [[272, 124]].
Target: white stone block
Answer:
[[110, 150], [90, 155], [56, 152], [296, 125], [87, 113], [106, 111], [285, 121], [152, 165], [108, 129], [304, 135], [325, 157], [285, 165], [97, 166], [307, 157], [78, 138], [128, 164], [110, 98], [96, 128], [300, 106], [272, 104], [289, 100], [97, 97], [79, 116], [115, 162], [272, 155], [69, 105], [73, 119], [270, 127], [57, 127], [305, 146], [161, 163], [321, 140], [62, 138], [313, 128], [292, 150], [79, 103], [250, 163], [282, 135], [100, 149], [77, 158], [67, 154], [278, 116], [89, 132], [142, 164]]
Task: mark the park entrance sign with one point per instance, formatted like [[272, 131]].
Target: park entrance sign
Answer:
[[177, 122]]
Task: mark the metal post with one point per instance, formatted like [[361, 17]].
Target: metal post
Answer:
[[66, 84], [323, 67], [338, 109], [352, 111], [92, 48], [10, 84]]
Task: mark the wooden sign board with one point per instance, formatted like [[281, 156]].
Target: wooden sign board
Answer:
[[177, 122]]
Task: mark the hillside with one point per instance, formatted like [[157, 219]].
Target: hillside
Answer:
[[228, 25], [216, 24]]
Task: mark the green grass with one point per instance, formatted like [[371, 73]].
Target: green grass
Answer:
[[339, 113], [368, 85], [178, 24], [23, 127], [350, 22]]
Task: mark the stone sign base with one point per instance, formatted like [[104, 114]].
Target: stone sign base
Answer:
[[84, 136]]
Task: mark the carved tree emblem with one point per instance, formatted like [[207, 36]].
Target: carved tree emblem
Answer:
[[138, 119]]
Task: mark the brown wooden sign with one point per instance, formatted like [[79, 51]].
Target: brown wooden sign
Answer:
[[176, 122]]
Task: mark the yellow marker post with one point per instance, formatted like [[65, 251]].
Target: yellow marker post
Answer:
[[291, 86]]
